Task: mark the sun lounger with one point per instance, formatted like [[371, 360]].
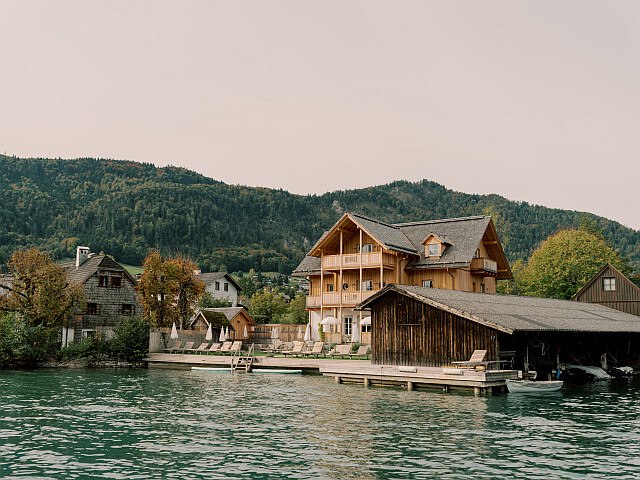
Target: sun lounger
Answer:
[[363, 351], [226, 346], [202, 348], [187, 346], [214, 348], [477, 359], [316, 350], [235, 347], [296, 350], [174, 347], [341, 351]]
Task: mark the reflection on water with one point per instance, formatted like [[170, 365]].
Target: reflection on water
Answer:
[[183, 424]]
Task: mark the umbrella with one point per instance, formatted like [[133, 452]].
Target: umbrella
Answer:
[[307, 333], [246, 334], [209, 336], [299, 332], [330, 321], [366, 321], [226, 333], [355, 336], [274, 335], [222, 337], [174, 332]]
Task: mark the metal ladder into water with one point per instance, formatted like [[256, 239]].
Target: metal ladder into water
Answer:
[[246, 361]]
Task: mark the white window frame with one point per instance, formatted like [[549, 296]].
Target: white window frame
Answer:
[[436, 246], [609, 284], [366, 286], [427, 283], [347, 325]]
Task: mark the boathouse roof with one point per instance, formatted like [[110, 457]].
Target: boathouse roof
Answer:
[[511, 313]]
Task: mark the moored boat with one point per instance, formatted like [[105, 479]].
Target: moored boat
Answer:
[[532, 386]]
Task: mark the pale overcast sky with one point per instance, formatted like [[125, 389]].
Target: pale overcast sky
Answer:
[[534, 100]]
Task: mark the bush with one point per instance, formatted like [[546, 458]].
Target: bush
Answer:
[[131, 340], [24, 345]]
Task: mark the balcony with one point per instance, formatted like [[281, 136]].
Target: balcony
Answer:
[[332, 299], [352, 260], [484, 266]]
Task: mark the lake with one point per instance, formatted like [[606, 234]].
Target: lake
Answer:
[[147, 424]]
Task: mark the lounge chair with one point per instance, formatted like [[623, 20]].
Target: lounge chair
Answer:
[[214, 348], [341, 351], [477, 359], [202, 348], [187, 346], [363, 351], [316, 350], [175, 346], [296, 350], [235, 347], [226, 346]]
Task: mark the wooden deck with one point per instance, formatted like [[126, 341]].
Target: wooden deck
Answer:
[[356, 371]]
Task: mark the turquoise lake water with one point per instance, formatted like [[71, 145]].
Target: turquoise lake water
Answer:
[[147, 424]]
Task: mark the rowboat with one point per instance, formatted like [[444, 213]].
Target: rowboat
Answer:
[[531, 386]]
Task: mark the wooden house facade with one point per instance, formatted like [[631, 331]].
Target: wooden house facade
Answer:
[[237, 319], [431, 327], [609, 287], [358, 256], [110, 294]]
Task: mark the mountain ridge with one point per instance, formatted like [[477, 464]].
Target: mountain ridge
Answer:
[[125, 208]]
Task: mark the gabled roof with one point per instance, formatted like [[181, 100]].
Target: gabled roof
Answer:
[[209, 278], [215, 319], [632, 286], [231, 312], [90, 266], [462, 235], [511, 314], [308, 266], [440, 238]]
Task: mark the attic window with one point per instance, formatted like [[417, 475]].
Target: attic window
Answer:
[[103, 280], [433, 250], [116, 282], [609, 284]]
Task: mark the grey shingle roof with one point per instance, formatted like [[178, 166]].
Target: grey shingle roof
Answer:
[[209, 278], [511, 313], [229, 312], [308, 266], [90, 266], [462, 234], [390, 235]]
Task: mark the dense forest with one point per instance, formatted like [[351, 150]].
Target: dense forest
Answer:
[[125, 208]]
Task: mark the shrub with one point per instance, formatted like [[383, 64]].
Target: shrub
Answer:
[[131, 340], [24, 345]]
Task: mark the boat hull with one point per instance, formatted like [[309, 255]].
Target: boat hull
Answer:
[[530, 386]]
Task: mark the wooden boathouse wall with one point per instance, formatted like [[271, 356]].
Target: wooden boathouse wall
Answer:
[[406, 331], [625, 298]]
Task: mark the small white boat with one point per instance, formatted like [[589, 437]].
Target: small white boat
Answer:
[[212, 369], [277, 370], [531, 386]]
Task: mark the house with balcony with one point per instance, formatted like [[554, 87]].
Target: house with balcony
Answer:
[[358, 256]]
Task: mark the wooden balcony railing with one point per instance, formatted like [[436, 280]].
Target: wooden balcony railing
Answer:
[[484, 266], [352, 260], [332, 299]]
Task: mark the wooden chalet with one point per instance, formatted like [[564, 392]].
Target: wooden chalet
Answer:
[[358, 256], [237, 319], [109, 290], [433, 327], [609, 287]]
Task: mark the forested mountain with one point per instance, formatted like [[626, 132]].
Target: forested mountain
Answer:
[[125, 208]]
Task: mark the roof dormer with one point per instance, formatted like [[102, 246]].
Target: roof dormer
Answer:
[[435, 245]]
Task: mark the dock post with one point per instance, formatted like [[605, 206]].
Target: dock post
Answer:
[[409, 386], [445, 389], [366, 382], [338, 379], [477, 391]]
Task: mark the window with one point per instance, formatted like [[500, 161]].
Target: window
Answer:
[[367, 248], [116, 282], [127, 309], [367, 285], [103, 280], [92, 308], [88, 333], [217, 285], [482, 288], [427, 283], [365, 328], [329, 287], [226, 287], [348, 325], [433, 250], [477, 254], [609, 284]]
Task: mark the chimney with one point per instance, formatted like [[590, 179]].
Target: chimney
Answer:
[[82, 253]]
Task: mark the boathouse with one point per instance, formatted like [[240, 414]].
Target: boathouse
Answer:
[[433, 327], [609, 287]]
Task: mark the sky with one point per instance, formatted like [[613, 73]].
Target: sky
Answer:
[[538, 101]]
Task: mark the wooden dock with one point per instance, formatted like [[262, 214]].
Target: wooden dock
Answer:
[[356, 371]]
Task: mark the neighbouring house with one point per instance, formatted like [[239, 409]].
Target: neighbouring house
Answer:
[[358, 256], [6, 280], [109, 291], [609, 287], [221, 286], [208, 317], [433, 327]]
